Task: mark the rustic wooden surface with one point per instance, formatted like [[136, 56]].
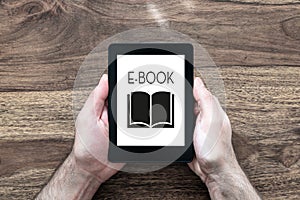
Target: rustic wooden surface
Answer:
[[255, 43]]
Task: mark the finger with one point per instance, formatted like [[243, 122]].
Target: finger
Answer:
[[100, 95], [195, 167], [104, 116], [196, 109], [191, 165], [203, 97]]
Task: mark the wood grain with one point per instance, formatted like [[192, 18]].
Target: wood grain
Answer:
[[256, 44], [37, 134], [47, 40]]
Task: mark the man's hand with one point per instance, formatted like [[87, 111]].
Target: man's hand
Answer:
[[212, 136], [87, 166], [215, 161], [91, 140]]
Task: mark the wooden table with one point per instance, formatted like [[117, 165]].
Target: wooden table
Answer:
[[255, 43]]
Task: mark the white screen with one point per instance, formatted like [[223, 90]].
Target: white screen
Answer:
[[145, 75]]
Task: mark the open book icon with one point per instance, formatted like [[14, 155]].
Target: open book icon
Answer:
[[150, 111]]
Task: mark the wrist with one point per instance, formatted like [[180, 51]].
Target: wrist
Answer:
[[223, 172], [70, 182], [222, 185], [86, 175], [101, 169], [215, 169], [231, 184], [85, 161]]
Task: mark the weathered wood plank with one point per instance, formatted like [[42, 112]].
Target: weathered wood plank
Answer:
[[48, 40], [267, 2], [35, 115], [42, 44], [36, 134]]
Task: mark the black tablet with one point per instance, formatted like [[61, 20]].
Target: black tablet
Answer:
[[151, 117]]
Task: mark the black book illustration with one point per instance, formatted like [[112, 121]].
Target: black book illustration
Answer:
[[150, 111]]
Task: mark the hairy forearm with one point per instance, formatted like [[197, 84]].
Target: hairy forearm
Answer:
[[70, 182], [231, 185]]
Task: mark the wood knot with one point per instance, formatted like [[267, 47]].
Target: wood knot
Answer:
[[53, 8], [291, 27], [35, 9], [32, 7], [24, 8]]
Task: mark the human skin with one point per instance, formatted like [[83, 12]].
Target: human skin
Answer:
[[87, 167], [215, 162]]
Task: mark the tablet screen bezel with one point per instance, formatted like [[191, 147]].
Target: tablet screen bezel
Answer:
[[124, 153]]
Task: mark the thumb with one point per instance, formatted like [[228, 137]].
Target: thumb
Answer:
[[94, 105], [203, 98], [100, 95]]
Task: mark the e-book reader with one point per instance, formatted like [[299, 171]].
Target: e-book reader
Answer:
[[150, 113]]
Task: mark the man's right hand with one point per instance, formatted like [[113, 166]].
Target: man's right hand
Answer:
[[215, 162], [212, 135]]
